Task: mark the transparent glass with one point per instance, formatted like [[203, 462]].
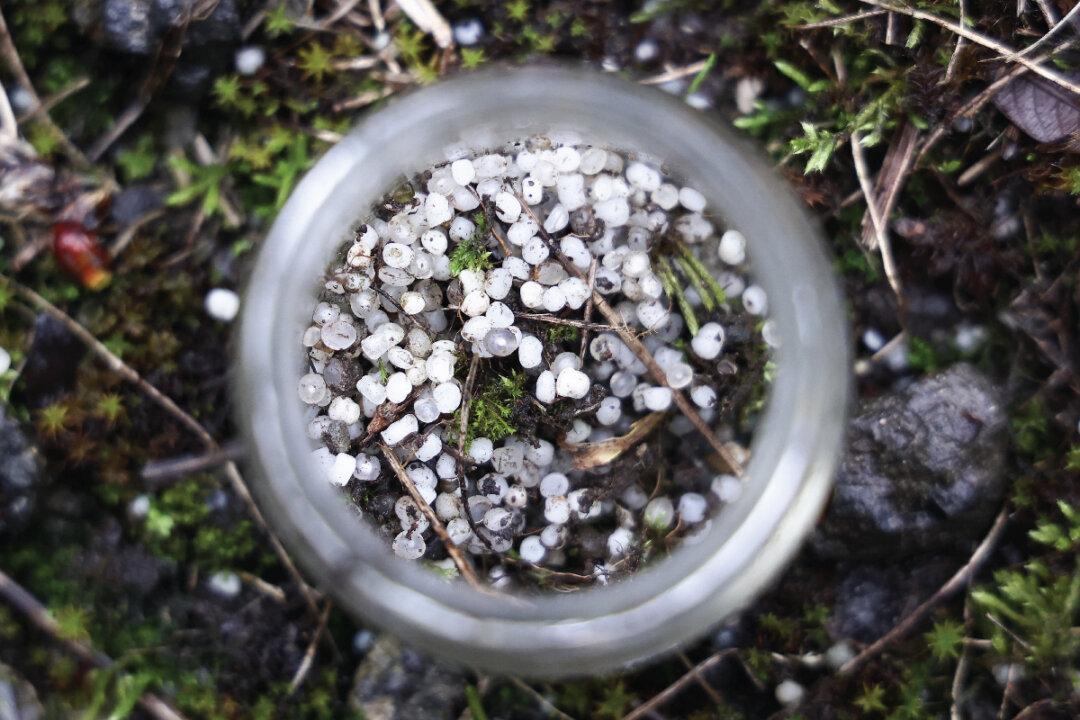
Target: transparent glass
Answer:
[[668, 603]]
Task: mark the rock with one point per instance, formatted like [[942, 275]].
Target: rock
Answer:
[[396, 683], [871, 599], [923, 469], [140, 27], [20, 472], [51, 364], [18, 699]]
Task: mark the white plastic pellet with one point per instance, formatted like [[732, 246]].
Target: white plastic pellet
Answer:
[[312, 388], [703, 396], [532, 550], [754, 300], [545, 387], [400, 430], [732, 248], [691, 199], [557, 510], [709, 341], [341, 469], [572, 383], [462, 171], [367, 468], [657, 399], [447, 397]]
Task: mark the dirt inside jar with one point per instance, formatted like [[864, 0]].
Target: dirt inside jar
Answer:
[[538, 366]]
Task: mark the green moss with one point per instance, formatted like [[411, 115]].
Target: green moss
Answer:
[[470, 254], [491, 410], [559, 334]]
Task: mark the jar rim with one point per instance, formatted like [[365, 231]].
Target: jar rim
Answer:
[[795, 448]]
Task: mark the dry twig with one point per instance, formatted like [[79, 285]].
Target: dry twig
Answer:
[[1069, 18], [671, 691], [980, 39], [834, 22], [309, 655], [549, 708], [955, 583], [881, 232], [20, 599], [462, 562]]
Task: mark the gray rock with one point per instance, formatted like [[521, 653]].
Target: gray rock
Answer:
[[395, 683], [20, 473], [138, 27], [923, 469], [18, 699]]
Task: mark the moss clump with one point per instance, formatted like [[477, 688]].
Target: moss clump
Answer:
[[491, 410]]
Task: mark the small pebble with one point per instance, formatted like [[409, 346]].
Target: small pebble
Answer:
[[222, 304]]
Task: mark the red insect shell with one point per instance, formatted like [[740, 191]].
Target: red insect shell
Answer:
[[78, 252]]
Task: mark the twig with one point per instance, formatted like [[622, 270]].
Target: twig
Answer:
[[157, 471], [951, 69], [569, 322], [956, 582], [127, 235], [363, 99], [428, 19], [9, 126], [969, 108], [55, 99], [841, 20], [980, 39], [309, 655], [20, 599], [540, 699], [1048, 10], [14, 63], [896, 168], [588, 311], [125, 371], [267, 589], [675, 73], [884, 246], [1064, 22], [702, 683], [672, 690], [1032, 711], [463, 424], [452, 549], [377, 18], [960, 676], [638, 348]]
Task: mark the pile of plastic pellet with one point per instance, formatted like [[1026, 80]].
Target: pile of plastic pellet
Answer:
[[494, 259]]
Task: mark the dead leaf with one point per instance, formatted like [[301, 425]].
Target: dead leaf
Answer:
[[1045, 111], [590, 455]]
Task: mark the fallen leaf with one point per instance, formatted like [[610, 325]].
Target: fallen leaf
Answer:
[[1045, 111], [590, 455]]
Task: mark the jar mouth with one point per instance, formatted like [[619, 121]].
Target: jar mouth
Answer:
[[795, 447]]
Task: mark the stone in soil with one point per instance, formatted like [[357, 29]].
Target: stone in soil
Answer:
[[20, 474], [396, 683], [871, 598], [924, 469], [51, 364], [141, 27]]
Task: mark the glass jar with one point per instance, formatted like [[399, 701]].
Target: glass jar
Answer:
[[668, 603]]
